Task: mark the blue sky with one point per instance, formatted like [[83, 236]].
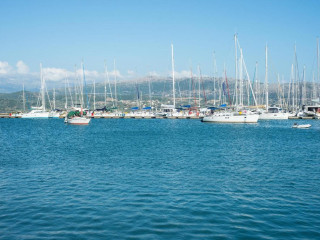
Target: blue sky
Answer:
[[138, 34]]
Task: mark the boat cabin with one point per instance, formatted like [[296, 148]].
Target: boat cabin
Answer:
[[273, 110]]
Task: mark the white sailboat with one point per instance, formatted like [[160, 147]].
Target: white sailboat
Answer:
[[39, 112], [232, 117], [237, 116], [272, 113], [77, 116], [54, 113]]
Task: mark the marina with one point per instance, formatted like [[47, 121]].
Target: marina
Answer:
[[160, 120]]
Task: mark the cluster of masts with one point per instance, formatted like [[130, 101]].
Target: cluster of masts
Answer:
[[239, 93]]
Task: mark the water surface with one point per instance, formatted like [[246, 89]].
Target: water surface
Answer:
[[158, 179]]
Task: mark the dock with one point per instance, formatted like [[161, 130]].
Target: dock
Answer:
[[7, 115], [304, 118], [146, 117]]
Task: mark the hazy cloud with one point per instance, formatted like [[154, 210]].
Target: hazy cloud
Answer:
[[22, 68], [115, 73], [154, 74], [182, 74], [55, 74], [5, 68]]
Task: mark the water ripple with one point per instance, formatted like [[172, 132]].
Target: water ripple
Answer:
[[158, 179]]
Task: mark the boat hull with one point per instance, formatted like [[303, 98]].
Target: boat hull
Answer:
[[274, 116], [35, 115], [78, 121], [231, 118]]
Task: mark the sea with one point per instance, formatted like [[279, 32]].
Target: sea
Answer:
[[159, 179]]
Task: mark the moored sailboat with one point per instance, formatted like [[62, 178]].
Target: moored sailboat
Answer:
[[39, 112]]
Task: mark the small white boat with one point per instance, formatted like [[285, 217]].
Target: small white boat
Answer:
[[78, 120], [295, 125]]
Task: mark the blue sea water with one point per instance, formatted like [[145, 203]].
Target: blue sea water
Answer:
[[158, 179]]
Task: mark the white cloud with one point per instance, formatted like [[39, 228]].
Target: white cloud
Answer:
[[55, 74], [154, 74], [115, 73], [5, 68], [182, 74], [22, 68]]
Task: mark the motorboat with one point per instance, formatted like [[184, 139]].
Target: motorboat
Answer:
[[36, 112], [295, 125], [274, 113]]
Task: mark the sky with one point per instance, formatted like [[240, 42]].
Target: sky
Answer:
[[138, 34]]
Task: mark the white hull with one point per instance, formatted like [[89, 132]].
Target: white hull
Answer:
[[78, 121], [231, 118], [302, 126], [54, 114], [35, 114], [274, 116]]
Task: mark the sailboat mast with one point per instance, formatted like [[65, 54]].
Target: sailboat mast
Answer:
[[23, 98], [318, 64], [214, 79], [236, 71], [257, 85], [54, 99], [42, 89], [199, 86], [150, 96], [266, 80], [173, 82], [304, 95], [85, 86], [241, 78], [65, 93], [292, 87], [105, 85], [94, 94], [314, 92], [115, 82], [107, 77]]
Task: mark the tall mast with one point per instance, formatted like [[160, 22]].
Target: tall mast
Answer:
[[85, 86], [54, 99], [190, 87], [107, 78], [105, 85], [314, 92], [241, 78], [23, 98], [236, 71], [318, 65], [266, 80], [304, 94], [199, 86], [295, 75], [214, 78], [257, 85], [65, 93], [173, 83], [115, 82], [292, 87], [150, 96], [94, 94], [43, 100]]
